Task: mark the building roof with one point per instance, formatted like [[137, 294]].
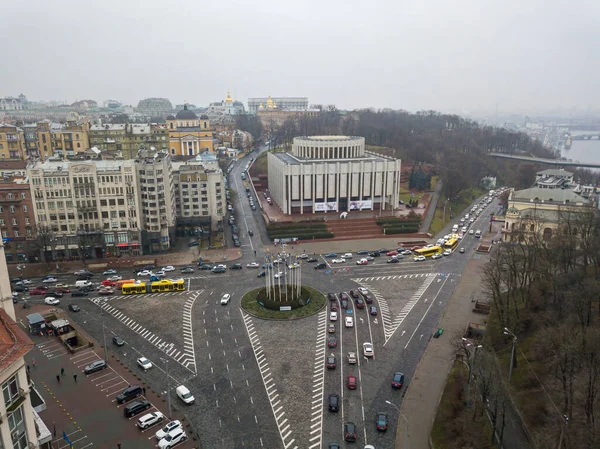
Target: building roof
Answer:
[[548, 195], [108, 127], [170, 117], [204, 117], [13, 165], [186, 114], [50, 165], [554, 172], [14, 343], [290, 159]]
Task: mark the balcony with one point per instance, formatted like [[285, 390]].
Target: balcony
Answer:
[[17, 402]]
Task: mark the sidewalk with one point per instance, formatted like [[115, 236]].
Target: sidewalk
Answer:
[[428, 218], [424, 392]]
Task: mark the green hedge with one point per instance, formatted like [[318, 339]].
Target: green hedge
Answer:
[[281, 227], [287, 224], [390, 231], [306, 235], [394, 220]]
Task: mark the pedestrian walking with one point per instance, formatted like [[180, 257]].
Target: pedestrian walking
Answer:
[[118, 445], [28, 369], [33, 362], [144, 390], [75, 377], [62, 371], [54, 425], [58, 378]]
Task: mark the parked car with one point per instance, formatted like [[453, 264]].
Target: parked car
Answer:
[[93, 367], [218, 270], [118, 340], [362, 252], [311, 260], [144, 363], [333, 402], [330, 255], [362, 262], [38, 291], [150, 419], [381, 421], [261, 274], [74, 308], [187, 270], [393, 260], [368, 349], [136, 407], [144, 273], [398, 380], [419, 258], [129, 393], [169, 268], [167, 428], [320, 266], [205, 266], [49, 280], [338, 260], [350, 431], [174, 437], [236, 266]]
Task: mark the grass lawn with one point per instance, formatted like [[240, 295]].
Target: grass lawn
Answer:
[[250, 305], [456, 426], [455, 207], [260, 165]]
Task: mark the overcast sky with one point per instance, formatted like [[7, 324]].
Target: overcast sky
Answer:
[[448, 55]]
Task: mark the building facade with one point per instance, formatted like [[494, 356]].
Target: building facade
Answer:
[[200, 195], [85, 210], [71, 139], [12, 143], [332, 174], [298, 103], [154, 107], [190, 135], [156, 199], [274, 118], [14, 103], [538, 212], [17, 222], [227, 107]]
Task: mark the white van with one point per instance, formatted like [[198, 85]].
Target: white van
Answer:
[[455, 228], [83, 284], [477, 234], [184, 394], [347, 256]]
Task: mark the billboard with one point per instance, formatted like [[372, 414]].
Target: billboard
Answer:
[[360, 205], [330, 206]]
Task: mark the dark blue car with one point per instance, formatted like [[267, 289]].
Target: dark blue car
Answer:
[[330, 255]]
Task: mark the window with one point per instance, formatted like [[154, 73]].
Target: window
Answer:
[[27, 220], [10, 390], [12, 209], [25, 209], [10, 196], [16, 233], [1, 221], [14, 222], [23, 195]]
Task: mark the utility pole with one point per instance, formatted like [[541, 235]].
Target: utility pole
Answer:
[[405, 423], [512, 355], [166, 361], [104, 336]]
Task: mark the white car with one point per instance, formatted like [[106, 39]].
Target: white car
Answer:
[[165, 430], [436, 256], [278, 275], [420, 258], [294, 265], [169, 268], [368, 349], [160, 273], [144, 363], [362, 262], [303, 256], [172, 438], [349, 321], [252, 265], [150, 419], [333, 316], [338, 260], [347, 256], [49, 280], [115, 278], [471, 232], [363, 291], [25, 282], [225, 299], [471, 220], [144, 273], [447, 252], [184, 394], [51, 301]]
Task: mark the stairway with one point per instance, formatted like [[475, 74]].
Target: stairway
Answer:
[[354, 228]]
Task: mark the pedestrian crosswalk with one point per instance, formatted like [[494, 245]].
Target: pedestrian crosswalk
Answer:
[[399, 276], [185, 357], [145, 295]]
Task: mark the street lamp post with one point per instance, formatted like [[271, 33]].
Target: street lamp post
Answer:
[[166, 362], [512, 355], [405, 423], [467, 343], [104, 336]]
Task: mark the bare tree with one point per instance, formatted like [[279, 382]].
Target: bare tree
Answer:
[[44, 237]]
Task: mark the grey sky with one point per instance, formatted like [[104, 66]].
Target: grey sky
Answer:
[[424, 54]]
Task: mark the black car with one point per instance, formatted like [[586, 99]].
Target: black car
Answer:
[[136, 407], [236, 266], [218, 270], [334, 445], [250, 233], [93, 367], [374, 254], [350, 431], [398, 380], [360, 304], [54, 294], [206, 267], [15, 280], [236, 243], [79, 293], [354, 293], [84, 276], [334, 402], [19, 288], [369, 298], [383, 251], [311, 260], [373, 310], [196, 243], [74, 308], [393, 260], [129, 393], [362, 252], [331, 362], [118, 340], [320, 266], [381, 421]]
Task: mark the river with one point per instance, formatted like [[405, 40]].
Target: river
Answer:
[[583, 151]]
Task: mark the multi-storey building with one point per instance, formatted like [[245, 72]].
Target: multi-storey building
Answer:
[[14, 103], [200, 194], [190, 135], [70, 139], [127, 139], [107, 137], [154, 107], [17, 223], [10, 169], [297, 103], [227, 106], [156, 199], [20, 425], [12, 145], [87, 209]]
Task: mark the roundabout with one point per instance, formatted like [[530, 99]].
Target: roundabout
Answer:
[[308, 302]]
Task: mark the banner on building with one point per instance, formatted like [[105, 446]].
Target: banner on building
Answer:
[[330, 206], [360, 205]]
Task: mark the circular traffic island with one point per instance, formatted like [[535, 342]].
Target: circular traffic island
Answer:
[[289, 303]]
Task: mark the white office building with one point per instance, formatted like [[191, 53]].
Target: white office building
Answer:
[[332, 174]]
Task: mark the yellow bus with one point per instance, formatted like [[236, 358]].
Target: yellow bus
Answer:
[[451, 244], [165, 285], [428, 252]]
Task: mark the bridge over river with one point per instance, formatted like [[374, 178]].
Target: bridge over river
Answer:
[[554, 162]]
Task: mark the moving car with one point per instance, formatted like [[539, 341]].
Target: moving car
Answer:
[[350, 431], [333, 306], [363, 291], [311, 260], [115, 278], [144, 273], [206, 266], [109, 272], [351, 358], [462, 251], [78, 292], [360, 304], [331, 341], [471, 231], [172, 438], [362, 252], [136, 407], [354, 293], [218, 270], [391, 253], [351, 382], [368, 349], [373, 310], [393, 260], [74, 308], [261, 274], [278, 275], [447, 252], [331, 362], [105, 291], [252, 265], [83, 273], [368, 298], [303, 256], [331, 328], [338, 260], [381, 421], [98, 365], [225, 299], [167, 428], [406, 252], [118, 340], [398, 380], [333, 402], [349, 321], [50, 300], [184, 394], [150, 419], [144, 363], [169, 268], [320, 266], [49, 280], [333, 316], [436, 256], [236, 266], [420, 258], [331, 255]]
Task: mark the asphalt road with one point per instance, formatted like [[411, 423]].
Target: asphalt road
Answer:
[[263, 384]]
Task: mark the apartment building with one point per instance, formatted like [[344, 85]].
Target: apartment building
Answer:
[[127, 139], [12, 145], [17, 223], [107, 137], [156, 199], [71, 139], [85, 210], [200, 195], [20, 425]]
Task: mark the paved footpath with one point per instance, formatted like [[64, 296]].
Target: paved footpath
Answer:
[[421, 400]]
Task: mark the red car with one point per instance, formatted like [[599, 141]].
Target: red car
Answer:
[[392, 253], [108, 283], [360, 304], [351, 382], [369, 298], [63, 290], [414, 248], [37, 291], [333, 306]]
